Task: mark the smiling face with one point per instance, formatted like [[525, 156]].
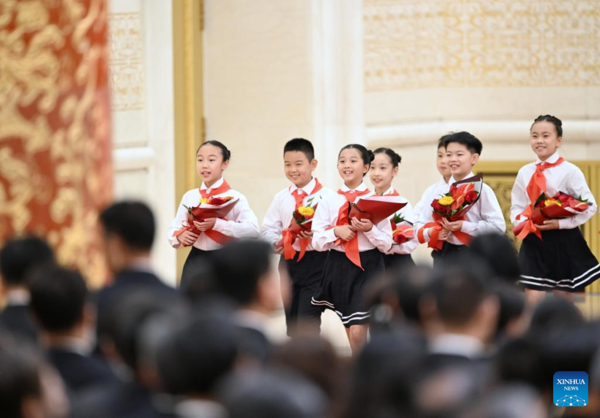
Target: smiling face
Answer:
[[210, 164], [382, 172], [351, 167], [544, 139], [442, 164], [460, 160], [297, 168]]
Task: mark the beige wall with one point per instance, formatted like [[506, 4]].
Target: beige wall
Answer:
[[488, 67], [276, 70], [141, 71]]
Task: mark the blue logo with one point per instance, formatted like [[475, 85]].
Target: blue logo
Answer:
[[570, 389]]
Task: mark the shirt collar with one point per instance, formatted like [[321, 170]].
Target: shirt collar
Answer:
[[452, 180], [306, 189], [551, 160], [18, 297], [75, 345], [361, 188], [141, 264], [457, 344], [190, 408], [388, 191], [214, 186]]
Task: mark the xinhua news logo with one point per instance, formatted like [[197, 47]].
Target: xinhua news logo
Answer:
[[570, 389]]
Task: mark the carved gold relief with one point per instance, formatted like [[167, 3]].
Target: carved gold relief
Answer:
[[126, 61], [55, 170], [454, 43]]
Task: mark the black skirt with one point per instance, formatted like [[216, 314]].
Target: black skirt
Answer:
[[305, 276], [400, 261], [561, 260], [195, 263], [343, 285], [447, 252]]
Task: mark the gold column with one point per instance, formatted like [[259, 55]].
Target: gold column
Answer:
[[189, 121]]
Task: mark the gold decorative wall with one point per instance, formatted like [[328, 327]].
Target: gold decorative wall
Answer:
[[413, 44], [126, 63], [55, 153]]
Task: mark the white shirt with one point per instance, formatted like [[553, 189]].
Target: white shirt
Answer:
[[279, 215], [484, 217], [241, 221], [430, 193], [566, 178], [408, 215], [380, 236]]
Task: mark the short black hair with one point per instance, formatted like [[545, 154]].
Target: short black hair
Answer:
[[499, 253], [239, 266], [20, 378], [195, 355], [130, 313], [20, 255], [470, 141], [458, 291], [394, 157], [442, 141], [224, 151], [553, 120], [58, 297], [132, 221], [301, 145]]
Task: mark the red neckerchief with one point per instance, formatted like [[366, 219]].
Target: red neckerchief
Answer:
[[536, 186], [350, 247]]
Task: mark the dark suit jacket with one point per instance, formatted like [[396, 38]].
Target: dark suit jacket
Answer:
[[17, 320], [80, 372], [125, 283]]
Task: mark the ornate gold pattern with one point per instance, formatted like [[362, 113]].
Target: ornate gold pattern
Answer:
[[413, 44], [126, 61], [55, 170]]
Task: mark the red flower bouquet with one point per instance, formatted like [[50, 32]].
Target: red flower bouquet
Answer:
[[211, 207], [460, 198], [453, 206], [301, 222], [559, 206], [401, 233], [375, 208]]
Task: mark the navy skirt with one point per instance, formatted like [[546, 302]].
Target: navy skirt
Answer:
[[343, 284], [562, 260]]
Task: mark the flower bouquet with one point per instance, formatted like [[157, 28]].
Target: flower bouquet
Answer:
[[209, 207], [402, 231], [375, 208], [301, 222], [559, 206], [453, 206]]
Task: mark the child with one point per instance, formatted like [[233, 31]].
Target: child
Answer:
[[383, 170], [356, 246], [305, 272], [212, 158], [463, 151], [561, 260], [436, 188]]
